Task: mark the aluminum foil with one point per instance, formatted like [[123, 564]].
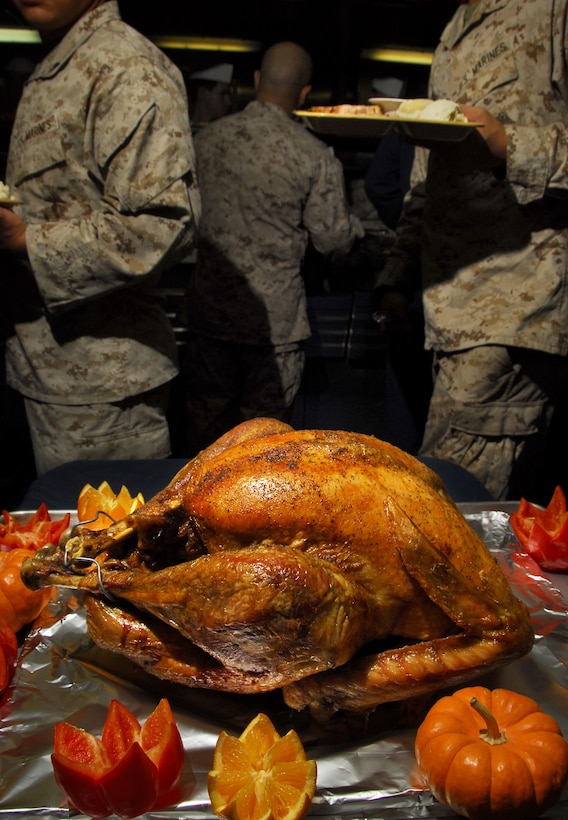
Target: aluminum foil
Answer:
[[365, 770]]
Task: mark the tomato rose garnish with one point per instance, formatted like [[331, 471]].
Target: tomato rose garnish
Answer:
[[544, 533], [127, 772], [35, 533]]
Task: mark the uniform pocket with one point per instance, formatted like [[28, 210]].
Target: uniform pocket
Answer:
[[497, 420]]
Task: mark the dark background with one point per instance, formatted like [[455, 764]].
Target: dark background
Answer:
[[333, 31]]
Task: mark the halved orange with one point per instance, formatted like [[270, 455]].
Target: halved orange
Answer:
[[261, 775], [98, 508]]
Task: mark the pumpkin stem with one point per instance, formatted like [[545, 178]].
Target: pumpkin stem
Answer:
[[491, 733]]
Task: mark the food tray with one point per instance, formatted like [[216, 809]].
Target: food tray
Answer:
[[364, 771], [409, 128], [342, 125]]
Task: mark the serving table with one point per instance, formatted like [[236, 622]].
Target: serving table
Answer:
[[366, 769]]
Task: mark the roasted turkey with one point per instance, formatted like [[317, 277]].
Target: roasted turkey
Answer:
[[328, 564]]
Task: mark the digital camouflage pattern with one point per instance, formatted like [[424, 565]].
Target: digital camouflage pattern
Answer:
[[267, 186], [493, 247], [134, 428], [494, 251], [490, 412], [102, 157]]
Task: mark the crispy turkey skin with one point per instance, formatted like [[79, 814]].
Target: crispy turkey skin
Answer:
[[281, 559]]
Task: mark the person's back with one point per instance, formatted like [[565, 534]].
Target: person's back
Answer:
[[267, 187], [257, 171]]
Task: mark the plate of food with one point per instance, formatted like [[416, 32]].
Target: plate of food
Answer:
[[347, 120], [422, 119]]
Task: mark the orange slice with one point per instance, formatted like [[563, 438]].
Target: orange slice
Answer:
[[98, 508], [261, 775]]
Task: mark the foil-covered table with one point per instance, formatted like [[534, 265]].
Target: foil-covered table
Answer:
[[365, 770]]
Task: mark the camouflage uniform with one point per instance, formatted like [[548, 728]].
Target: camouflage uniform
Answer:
[[493, 248], [101, 155], [268, 186]]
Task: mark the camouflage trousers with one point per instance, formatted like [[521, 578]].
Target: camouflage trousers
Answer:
[[228, 383], [490, 412], [134, 428]]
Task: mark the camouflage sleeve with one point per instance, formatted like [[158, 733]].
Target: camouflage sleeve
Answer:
[[143, 215], [537, 151], [327, 218]]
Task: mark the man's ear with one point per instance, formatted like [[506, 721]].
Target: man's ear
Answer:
[[256, 78], [303, 94]]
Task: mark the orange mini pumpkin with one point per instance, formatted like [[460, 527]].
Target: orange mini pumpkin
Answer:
[[18, 604], [492, 754]]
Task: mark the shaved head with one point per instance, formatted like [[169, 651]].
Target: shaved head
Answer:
[[286, 70]]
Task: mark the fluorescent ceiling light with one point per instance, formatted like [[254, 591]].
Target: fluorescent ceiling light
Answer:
[[24, 35], [389, 54], [206, 43], [19, 35]]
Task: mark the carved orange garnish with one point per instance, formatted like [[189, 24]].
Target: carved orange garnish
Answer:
[[98, 508], [261, 775]]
